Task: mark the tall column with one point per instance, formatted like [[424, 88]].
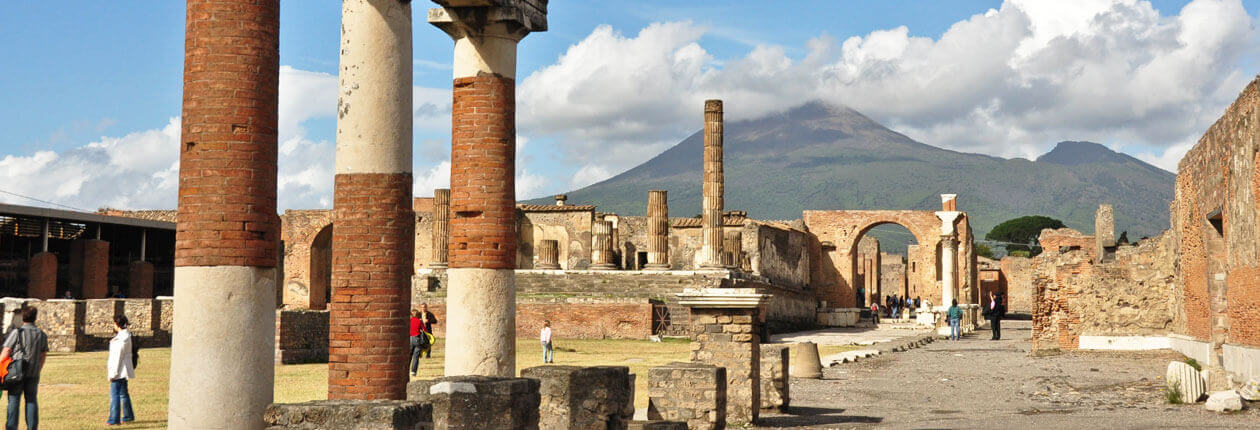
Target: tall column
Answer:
[[441, 228], [949, 249], [548, 255], [602, 246], [712, 188], [658, 230], [481, 300], [227, 229], [373, 244]]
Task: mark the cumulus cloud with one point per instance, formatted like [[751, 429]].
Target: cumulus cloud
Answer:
[[589, 174], [1007, 82]]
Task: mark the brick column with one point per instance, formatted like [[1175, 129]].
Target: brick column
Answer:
[[373, 242], [602, 246], [95, 269], [712, 187], [658, 230], [548, 255], [140, 280], [481, 298], [725, 333], [42, 277], [441, 228], [227, 227]]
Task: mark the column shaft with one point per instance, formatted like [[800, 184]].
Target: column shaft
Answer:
[[602, 246], [712, 188], [441, 228], [548, 255], [949, 249], [373, 242], [227, 227], [658, 230]]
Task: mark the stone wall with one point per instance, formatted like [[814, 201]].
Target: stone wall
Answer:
[[570, 229], [479, 402], [62, 321], [301, 336], [730, 338], [689, 392], [777, 253], [775, 380], [1017, 276], [299, 229], [87, 325], [584, 398], [349, 414], [1066, 239], [892, 276], [573, 318]]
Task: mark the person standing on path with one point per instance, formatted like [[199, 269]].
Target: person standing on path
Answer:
[[31, 344], [996, 311], [427, 321], [120, 368], [955, 318], [417, 336], [875, 313], [545, 337]]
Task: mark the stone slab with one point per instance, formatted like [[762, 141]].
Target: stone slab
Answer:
[[478, 402], [349, 414]]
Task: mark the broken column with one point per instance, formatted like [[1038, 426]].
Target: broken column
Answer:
[[725, 333], [1104, 232], [441, 229], [548, 255], [733, 247], [373, 243], [602, 246], [227, 229], [712, 188], [481, 299], [658, 231]]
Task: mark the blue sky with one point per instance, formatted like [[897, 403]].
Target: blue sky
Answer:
[[93, 88]]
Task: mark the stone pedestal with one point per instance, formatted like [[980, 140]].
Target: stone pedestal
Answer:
[[441, 228], [775, 369], [548, 255], [712, 188], [594, 398], [658, 231], [349, 414], [43, 276], [140, 280], [725, 332], [479, 402], [602, 246], [693, 393], [805, 361]]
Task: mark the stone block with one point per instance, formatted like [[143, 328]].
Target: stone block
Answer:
[[349, 414], [775, 377], [690, 392], [1224, 401], [1186, 380], [301, 336], [657, 425], [142, 314], [479, 402], [574, 397], [1251, 390], [166, 314]]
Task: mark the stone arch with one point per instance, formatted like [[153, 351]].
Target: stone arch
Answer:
[[300, 231], [320, 287]]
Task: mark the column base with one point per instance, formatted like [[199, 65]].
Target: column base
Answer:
[[656, 267], [603, 267], [715, 267]]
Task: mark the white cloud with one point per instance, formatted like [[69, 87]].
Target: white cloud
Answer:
[[529, 185], [589, 174], [1008, 82], [438, 176]]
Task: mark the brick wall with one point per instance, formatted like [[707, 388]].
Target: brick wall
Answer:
[[301, 336], [227, 169], [1017, 277], [43, 276], [483, 166], [1055, 240], [95, 269], [577, 319], [299, 231], [140, 279]]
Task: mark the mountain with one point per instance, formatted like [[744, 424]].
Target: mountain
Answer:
[[820, 156]]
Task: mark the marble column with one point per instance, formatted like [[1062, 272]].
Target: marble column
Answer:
[[441, 228], [548, 255], [481, 298], [227, 230], [658, 230], [949, 253], [602, 246], [712, 188]]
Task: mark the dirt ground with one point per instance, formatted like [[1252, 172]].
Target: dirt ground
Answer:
[[978, 383]]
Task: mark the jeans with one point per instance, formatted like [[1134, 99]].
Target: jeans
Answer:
[[548, 353], [119, 400], [416, 351], [953, 328], [997, 328], [29, 389]]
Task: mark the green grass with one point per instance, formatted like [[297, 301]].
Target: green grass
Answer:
[[74, 393]]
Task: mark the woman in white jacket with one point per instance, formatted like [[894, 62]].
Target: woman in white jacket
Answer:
[[121, 369]]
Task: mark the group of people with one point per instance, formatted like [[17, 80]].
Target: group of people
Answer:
[[893, 305], [422, 338], [994, 311]]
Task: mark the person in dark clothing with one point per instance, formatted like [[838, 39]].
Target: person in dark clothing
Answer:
[[995, 311]]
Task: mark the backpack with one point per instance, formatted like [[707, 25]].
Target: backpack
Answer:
[[135, 353], [17, 369]]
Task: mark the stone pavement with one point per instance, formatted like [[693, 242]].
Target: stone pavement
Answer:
[[885, 332], [978, 383]]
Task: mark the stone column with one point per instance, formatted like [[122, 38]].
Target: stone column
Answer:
[[227, 228], [481, 300], [373, 242], [602, 246], [548, 255], [1104, 231], [712, 187], [441, 228], [42, 276], [726, 333], [95, 269], [949, 249], [658, 230]]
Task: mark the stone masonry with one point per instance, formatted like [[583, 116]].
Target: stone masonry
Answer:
[[479, 402], [592, 398], [775, 379], [658, 230], [301, 336], [349, 414], [690, 392], [726, 332]]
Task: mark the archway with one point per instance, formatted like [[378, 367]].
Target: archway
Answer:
[[320, 291], [886, 258]]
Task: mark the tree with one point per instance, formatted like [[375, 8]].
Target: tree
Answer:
[[983, 250], [1021, 233]]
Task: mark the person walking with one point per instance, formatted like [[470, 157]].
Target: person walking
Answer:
[[875, 313], [996, 311], [417, 336], [120, 368], [955, 318], [545, 337], [27, 343], [427, 321]]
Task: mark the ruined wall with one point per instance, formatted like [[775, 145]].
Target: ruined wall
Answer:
[[151, 215], [298, 229], [1017, 274], [1066, 239], [892, 276], [301, 336], [423, 206], [570, 229], [572, 318], [778, 253]]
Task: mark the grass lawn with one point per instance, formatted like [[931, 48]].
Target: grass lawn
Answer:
[[74, 392]]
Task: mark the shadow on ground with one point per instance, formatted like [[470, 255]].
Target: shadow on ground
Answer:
[[807, 416]]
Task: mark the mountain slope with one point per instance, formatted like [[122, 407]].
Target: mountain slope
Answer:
[[819, 156]]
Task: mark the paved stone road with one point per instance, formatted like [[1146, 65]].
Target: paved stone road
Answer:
[[978, 383]]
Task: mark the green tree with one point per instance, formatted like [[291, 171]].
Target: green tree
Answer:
[[1021, 233], [983, 250]]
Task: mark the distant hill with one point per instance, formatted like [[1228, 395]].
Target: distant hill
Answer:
[[820, 156]]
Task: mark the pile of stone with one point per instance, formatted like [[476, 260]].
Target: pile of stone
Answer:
[[1190, 384]]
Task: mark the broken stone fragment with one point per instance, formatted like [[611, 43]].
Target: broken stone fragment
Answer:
[[1223, 401]]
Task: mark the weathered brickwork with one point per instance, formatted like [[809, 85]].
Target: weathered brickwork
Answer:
[[574, 318], [479, 402], [1066, 239], [483, 159], [571, 229], [301, 336], [94, 268], [349, 414], [227, 167], [43, 276], [592, 398], [775, 382], [140, 279], [371, 286], [730, 338], [307, 236], [1017, 277], [689, 392]]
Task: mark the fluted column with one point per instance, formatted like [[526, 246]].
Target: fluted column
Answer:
[[441, 227], [602, 246], [733, 244], [949, 249], [712, 188], [658, 230], [548, 255]]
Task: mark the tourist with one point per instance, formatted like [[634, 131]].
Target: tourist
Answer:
[[896, 304], [121, 368], [875, 313], [427, 321], [418, 337], [995, 312], [888, 305], [31, 344], [68, 295], [955, 318], [545, 337]]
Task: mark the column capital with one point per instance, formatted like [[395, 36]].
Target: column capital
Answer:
[[947, 221], [509, 19], [949, 241]]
